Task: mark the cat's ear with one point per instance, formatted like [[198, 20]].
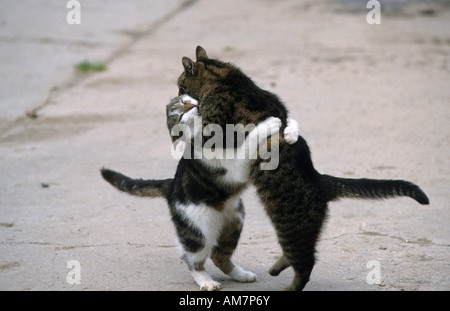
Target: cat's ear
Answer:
[[188, 65], [200, 53]]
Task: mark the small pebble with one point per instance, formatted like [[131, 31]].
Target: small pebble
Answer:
[[32, 114]]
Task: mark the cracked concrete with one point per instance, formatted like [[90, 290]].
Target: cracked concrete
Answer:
[[371, 100]]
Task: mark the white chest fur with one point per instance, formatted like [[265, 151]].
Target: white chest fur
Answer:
[[211, 221], [237, 171]]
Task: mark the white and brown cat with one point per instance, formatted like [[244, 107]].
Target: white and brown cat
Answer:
[[204, 196]]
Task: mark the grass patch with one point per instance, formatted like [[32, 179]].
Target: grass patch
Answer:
[[87, 66]]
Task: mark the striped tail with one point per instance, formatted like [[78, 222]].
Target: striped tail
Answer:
[[336, 188], [145, 188]]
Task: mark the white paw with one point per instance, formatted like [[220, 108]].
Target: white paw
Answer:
[[240, 275], [188, 99], [269, 127], [188, 117], [210, 286], [291, 132]]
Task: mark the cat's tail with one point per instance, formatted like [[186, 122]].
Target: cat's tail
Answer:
[[146, 188], [336, 188]]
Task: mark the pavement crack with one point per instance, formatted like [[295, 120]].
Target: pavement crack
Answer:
[[115, 54], [138, 35], [417, 241], [57, 246]]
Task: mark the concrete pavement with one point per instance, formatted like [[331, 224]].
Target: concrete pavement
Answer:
[[371, 100]]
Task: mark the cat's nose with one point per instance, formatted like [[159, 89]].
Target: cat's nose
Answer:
[[192, 103]]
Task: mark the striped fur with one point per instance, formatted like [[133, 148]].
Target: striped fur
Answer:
[[294, 195], [140, 187], [203, 199], [371, 189]]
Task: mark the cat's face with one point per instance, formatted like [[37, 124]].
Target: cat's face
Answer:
[[200, 76], [225, 94], [181, 104], [191, 79]]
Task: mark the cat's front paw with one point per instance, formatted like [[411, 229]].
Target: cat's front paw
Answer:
[[291, 132], [188, 117], [186, 99], [268, 127]]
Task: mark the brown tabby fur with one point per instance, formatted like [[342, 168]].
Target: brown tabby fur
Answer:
[[294, 195]]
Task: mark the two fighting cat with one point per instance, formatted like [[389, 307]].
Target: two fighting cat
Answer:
[[203, 196]]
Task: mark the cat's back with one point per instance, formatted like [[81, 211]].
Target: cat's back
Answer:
[[295, 169], [298, 157]]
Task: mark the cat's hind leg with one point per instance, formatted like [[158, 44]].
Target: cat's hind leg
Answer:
[[195, 262], [222, 259], [300, 279], [194, 245], [226, 244], [281, 264]]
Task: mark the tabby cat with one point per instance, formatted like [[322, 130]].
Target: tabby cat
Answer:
[[203, 197], [294, 194]]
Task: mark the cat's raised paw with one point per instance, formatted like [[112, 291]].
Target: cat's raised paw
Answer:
[[291, 132], [188, 117], [269, 127], [281, 264]]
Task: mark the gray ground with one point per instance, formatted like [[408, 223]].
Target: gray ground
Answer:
[[371, 100]]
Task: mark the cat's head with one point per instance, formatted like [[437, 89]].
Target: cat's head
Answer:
[[180, 104], [202, 75]]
